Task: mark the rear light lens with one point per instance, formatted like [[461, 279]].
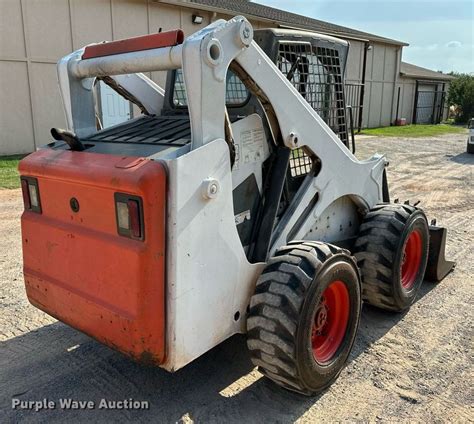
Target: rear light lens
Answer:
[[31, 196], [134, 218], [26, 194], [129, 214]]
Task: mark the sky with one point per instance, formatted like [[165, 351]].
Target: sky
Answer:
[[440, 32]]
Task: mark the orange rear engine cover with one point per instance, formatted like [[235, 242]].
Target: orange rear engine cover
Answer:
[[78, 268]]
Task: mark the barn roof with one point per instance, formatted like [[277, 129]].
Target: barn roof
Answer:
[[283, 18], [413, 71]]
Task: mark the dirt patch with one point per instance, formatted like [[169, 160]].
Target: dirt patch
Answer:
[[414, 366]]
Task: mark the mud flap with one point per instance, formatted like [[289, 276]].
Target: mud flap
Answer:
[[438, 267]]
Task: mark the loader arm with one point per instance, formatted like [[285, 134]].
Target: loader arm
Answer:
[[301, 126], [293, 121], [205, 58]]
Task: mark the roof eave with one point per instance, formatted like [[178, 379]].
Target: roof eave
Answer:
[[343, 34], [192, 5], [442, 77]]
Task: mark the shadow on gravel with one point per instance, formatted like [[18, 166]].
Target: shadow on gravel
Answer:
[[375, 323], [463, 158], [57, 362]]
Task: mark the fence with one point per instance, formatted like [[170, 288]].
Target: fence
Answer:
[[429, 107], [353, 99]]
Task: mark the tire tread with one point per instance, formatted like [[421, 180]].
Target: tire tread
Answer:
[[375, 250], [271, 328]]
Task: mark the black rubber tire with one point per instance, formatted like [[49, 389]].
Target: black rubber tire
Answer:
[[282, 312], [379, 251], [470, 147]]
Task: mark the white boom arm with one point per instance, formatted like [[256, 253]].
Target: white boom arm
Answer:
[[205, 58], [161, 59]]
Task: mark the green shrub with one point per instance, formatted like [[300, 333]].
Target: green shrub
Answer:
[[461, 96]]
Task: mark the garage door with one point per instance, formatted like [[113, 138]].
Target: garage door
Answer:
[[429, 103]]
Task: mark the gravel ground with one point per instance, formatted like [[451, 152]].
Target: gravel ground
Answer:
[[415, 366]]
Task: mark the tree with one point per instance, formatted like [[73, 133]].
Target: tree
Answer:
[[461, 95]]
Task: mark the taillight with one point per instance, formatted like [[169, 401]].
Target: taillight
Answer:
[[134, 216], [129, 214], [31, 196]]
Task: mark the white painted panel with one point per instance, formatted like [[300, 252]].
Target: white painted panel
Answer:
[[130, 18], [92, 21], [48, 28], [12, 43], [251, 149], [368, 70], [375, 104], [16, 135], [378, 63], [386, 112], [365, 112], [167, 18], [164, 17], [186, 21], [407, 101], [354, 63], [159, 78], [202, 231], [390, 63], [115, 109], [46, 100]]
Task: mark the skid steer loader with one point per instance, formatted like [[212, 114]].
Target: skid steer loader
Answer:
[[233, 204]]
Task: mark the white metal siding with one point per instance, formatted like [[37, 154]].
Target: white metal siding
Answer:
[[34, 34], [407, 96], [354, 62], [381, 74], [16, 123]]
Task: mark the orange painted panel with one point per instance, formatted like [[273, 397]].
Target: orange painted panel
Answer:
[[77, 267], [128, 45]]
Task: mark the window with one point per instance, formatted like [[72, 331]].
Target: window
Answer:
[[236, 93]]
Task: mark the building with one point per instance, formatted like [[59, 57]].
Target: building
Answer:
[[422, 94], [34, 34]]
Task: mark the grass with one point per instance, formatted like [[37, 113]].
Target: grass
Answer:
[[9, 177], [414, 130]]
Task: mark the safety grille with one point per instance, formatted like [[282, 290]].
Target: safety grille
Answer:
[[300, 163], [316, 72], [236, 93], [179, 92]]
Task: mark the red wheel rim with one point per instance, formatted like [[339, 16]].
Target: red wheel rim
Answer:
[[330, 321], [411, 259]]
